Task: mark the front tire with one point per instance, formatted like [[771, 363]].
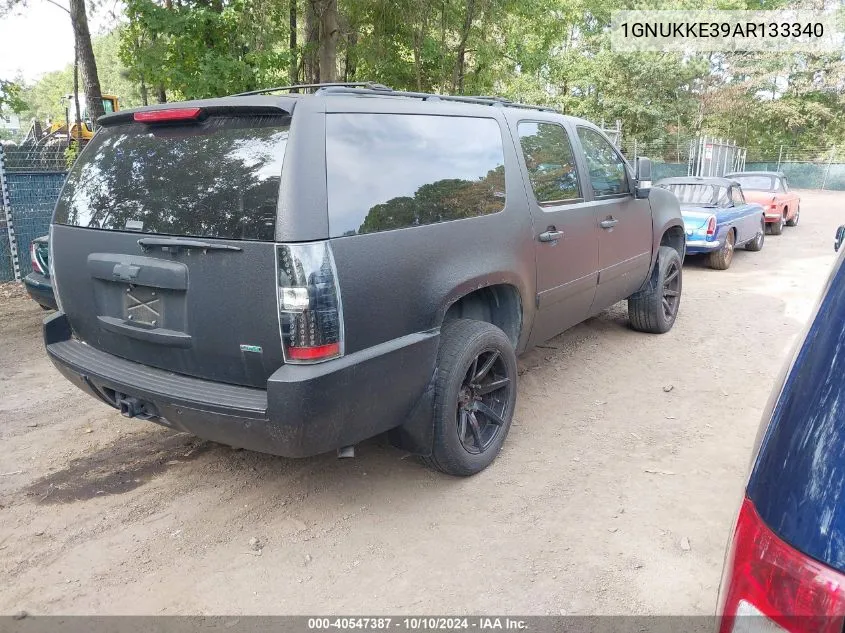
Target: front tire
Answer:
[[794, 220], [474, 396], [721, 259], [757, 243], [655, 308]]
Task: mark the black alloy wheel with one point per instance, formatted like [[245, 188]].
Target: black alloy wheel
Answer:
[[483, 399]]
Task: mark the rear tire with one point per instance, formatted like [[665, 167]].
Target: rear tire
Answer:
[[777, 227], [655, 308], [721, 259], [794, 220], [757, 243], [474, 396]]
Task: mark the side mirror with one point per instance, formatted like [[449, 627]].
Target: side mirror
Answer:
[[643, 177], [840, 237]]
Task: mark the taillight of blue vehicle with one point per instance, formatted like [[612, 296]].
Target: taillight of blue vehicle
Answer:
[[310, 310], [769, 586], [711, 226]]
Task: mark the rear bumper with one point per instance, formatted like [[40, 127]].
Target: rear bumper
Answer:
[[40, 289], [702, 246], [305, 410]]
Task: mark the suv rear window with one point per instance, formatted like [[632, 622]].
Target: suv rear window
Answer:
[[392, 171], [218, 178]]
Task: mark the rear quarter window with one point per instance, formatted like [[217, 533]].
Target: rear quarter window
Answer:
[[218, 178], [550, 162], [393, 171]]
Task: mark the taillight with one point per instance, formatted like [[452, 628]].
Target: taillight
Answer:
[[51, 263], [37, 266], [171, 114], [770, 586], [711, 226], [310, 314]]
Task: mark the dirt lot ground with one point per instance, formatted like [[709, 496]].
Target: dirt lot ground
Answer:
[[614, 493]]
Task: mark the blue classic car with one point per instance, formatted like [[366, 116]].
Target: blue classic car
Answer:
[[717, 219]]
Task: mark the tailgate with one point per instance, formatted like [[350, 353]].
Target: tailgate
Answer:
[[163, 245]]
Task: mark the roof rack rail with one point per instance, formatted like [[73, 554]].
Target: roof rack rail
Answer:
[[426, 96], [508, 103], [361, 84], [372, 88], [493, 98]]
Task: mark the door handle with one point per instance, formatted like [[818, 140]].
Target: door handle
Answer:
[[551, 235], [609, 223]]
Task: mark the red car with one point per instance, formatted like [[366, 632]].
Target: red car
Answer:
[[770, 189]]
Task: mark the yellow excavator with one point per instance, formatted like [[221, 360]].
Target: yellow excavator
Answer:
[[86, 131], [45, 142]]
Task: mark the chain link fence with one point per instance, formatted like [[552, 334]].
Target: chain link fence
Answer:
[[30, 181], [806, 168]]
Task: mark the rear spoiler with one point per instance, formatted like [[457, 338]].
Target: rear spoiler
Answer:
[[209, 108]]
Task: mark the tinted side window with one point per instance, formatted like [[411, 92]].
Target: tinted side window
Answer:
[[550, 161], [392, 171], [736, 195], [608, 174]]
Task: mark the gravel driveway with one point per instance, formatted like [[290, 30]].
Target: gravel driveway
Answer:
[[614, 493]]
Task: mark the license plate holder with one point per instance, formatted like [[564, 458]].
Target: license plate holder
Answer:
[[143, 305]]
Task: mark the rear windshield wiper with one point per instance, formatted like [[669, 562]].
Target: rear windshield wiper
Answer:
[[174, 245]]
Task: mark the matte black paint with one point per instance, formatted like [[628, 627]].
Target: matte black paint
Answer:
[[204, 296], [396, 287], [306, 409]]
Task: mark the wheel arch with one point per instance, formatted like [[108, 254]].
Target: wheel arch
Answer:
[[500, 304], [675, 237], [503, 295], [665, 215]]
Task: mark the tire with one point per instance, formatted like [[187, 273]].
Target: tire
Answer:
[[721, 259], [467, 437], [655, 308], [776, 228], [794, 220], [757, 243]]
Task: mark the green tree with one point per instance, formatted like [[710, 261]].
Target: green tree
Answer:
[[10, 96], [45, 99]]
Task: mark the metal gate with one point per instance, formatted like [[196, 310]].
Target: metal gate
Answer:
[[714, 157]]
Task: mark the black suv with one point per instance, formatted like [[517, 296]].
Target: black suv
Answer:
[[294, 274]]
